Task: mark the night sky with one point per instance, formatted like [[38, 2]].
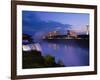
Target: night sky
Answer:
[[37, 23]]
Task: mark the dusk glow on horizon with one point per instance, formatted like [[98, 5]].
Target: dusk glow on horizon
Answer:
[[39, 22]]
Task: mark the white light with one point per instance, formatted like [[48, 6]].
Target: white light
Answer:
[[26, 48]]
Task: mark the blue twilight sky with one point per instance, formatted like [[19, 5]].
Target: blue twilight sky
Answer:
[[38, 23]]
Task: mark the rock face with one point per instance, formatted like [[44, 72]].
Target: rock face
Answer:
[[34, 59]]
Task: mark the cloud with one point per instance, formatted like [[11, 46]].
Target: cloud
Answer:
[[32, 24]]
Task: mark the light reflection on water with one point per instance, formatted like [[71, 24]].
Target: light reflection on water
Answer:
[[71, 53]]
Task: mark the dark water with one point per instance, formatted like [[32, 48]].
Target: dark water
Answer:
[[70, 52]]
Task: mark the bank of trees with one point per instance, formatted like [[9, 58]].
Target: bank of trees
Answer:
[[34, 59]]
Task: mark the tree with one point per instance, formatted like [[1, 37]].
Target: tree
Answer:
[[49, 60]]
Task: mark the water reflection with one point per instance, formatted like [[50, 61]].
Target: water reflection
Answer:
[[71, 53]]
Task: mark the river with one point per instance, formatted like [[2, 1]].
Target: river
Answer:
[[70, 52]]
